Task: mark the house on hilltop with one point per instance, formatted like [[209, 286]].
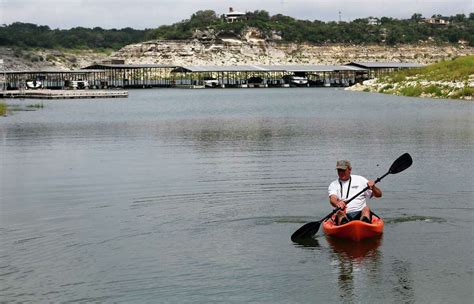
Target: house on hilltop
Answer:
[[373, 21], [233, 16], [436, 21]]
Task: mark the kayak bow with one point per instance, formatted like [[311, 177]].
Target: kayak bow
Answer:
[[354, 230]]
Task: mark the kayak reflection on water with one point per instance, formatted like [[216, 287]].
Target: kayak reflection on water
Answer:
[[355, 250], [357, 264]]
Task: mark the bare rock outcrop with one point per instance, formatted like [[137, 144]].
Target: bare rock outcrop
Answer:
[[210, 47], [252, 49]]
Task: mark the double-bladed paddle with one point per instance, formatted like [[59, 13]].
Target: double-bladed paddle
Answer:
[[310, 229]]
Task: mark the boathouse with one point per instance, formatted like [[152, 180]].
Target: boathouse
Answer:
[[376, 69], [268, 75], [54, 79], [101, 76], [135, 75]]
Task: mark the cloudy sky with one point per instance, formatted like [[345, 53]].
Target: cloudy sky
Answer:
[[140, 14]]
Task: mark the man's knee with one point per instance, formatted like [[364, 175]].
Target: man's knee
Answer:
[[365, 215]]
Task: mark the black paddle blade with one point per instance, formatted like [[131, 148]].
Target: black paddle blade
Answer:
[[401, 163], [306, 231]]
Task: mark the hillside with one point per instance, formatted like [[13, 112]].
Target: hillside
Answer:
[[252, 48], [18, 59], [279, 28], [446, 79], [229, 50], [257, 38]]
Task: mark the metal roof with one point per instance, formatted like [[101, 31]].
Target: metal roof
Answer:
[[215, 68], [52, 71], [128, 66], [381, 65], [321, 68], [268, 68], [353, 66]]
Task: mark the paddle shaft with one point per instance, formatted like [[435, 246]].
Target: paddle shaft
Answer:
[[366, 188]]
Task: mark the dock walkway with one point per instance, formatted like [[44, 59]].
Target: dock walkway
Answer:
[[63, 94]]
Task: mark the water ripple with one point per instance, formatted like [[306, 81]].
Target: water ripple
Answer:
[[414, 218]]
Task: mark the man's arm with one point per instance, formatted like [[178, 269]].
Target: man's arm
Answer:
[[376, 192], [336, 203]]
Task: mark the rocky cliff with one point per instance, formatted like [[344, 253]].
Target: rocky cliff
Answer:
[[15, 59], [237, 52], [209, 48]]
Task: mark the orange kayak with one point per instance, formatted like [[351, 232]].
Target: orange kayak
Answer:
[[354, 230]]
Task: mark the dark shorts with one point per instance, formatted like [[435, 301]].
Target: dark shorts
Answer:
[[354, 215]]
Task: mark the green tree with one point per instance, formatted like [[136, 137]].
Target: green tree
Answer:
[[203, 19], [390, 31], [416, 17]]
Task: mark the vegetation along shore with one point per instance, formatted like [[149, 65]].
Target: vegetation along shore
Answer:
[[3, 108], [447, 79]]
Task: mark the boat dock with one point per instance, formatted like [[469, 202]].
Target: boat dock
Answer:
[[63, 94], [90, 81]]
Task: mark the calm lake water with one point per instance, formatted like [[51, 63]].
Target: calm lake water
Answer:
[[191, 196]]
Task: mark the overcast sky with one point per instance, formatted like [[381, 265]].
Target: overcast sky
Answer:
[[140, 14]]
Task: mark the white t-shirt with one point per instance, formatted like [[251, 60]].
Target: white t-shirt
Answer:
[[357, 183]]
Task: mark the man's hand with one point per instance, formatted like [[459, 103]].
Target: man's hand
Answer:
[[341, 204], [376, 192], [371, 184]]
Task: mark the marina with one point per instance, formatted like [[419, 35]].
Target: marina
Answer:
[[125, 76]]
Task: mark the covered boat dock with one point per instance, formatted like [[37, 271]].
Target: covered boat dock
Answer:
[[136, 75], [103, 76], [268, 75], [376, 69], [54, 79]]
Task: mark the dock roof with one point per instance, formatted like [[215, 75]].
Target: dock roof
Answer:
[[321, 68], [384, 65], [53, 71], [128, 66], [219, 68], [291, 68], [267, 68]]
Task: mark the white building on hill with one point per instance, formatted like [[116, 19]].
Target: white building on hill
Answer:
[[233, 16]]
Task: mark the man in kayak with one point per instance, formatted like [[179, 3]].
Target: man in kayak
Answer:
[[344, 188]]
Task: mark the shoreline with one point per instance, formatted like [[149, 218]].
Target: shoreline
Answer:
[[423, 89]]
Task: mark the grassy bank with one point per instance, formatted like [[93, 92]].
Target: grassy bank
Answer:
[[9, 109], [3, 109], [447, 79], [457, 69]]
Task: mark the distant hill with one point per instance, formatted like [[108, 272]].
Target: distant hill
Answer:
[[248, 48], [279, 28], [257, 38]]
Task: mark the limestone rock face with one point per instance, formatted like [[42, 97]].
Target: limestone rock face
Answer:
[[209, 47], [254, 49]]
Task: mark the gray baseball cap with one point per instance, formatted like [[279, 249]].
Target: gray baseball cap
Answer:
[[343, 164]]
